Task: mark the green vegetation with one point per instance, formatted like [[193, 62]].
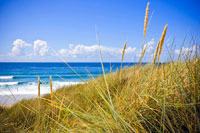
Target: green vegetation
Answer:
[[145, 98], [150, 98]]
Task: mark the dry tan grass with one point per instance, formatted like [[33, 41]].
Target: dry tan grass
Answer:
[[145, 30], [156, 52], [146, 19], [162, 41], [123, 51]]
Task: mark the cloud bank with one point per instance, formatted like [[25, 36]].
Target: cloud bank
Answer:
[[90, 51], [39, 50], [187, 50], [80, 51]]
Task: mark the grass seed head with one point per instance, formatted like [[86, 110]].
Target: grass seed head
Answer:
[[155, 55], [123, 51], [162, 41], [146, 19]]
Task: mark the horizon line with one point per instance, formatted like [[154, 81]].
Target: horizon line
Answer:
[[77, 62]]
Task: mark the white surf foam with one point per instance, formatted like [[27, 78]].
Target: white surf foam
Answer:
[[8, 83], [32, 88], [6, 77]]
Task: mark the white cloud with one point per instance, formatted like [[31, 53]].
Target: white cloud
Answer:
[[130, 50], [149, 45], [79, 52], [84, 51], [19, 46], [186, 50], [149, 48], [93, 51], [40, 48]]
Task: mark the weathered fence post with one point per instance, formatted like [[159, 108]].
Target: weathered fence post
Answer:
[[52, 102], [39, 99]]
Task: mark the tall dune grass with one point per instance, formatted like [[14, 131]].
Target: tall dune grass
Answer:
[[136, 99]]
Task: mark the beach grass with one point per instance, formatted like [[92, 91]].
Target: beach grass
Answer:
[[150, 98], [144, 99]]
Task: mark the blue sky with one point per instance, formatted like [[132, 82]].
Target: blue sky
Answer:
[[30, 29]]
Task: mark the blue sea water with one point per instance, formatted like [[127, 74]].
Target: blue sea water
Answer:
[[22, 78]]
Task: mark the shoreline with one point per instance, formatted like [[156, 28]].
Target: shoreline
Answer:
[[9, 100]]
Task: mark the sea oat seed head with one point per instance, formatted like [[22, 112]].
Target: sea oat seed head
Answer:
[[155, 55], [123, 51], [162, 41], [146, 19]]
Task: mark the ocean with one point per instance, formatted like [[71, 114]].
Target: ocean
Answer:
[[22, 78]]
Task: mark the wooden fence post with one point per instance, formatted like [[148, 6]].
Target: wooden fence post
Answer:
[[52, 102], [39, 99]]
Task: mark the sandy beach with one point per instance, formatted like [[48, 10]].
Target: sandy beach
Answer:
[[9, 100]]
